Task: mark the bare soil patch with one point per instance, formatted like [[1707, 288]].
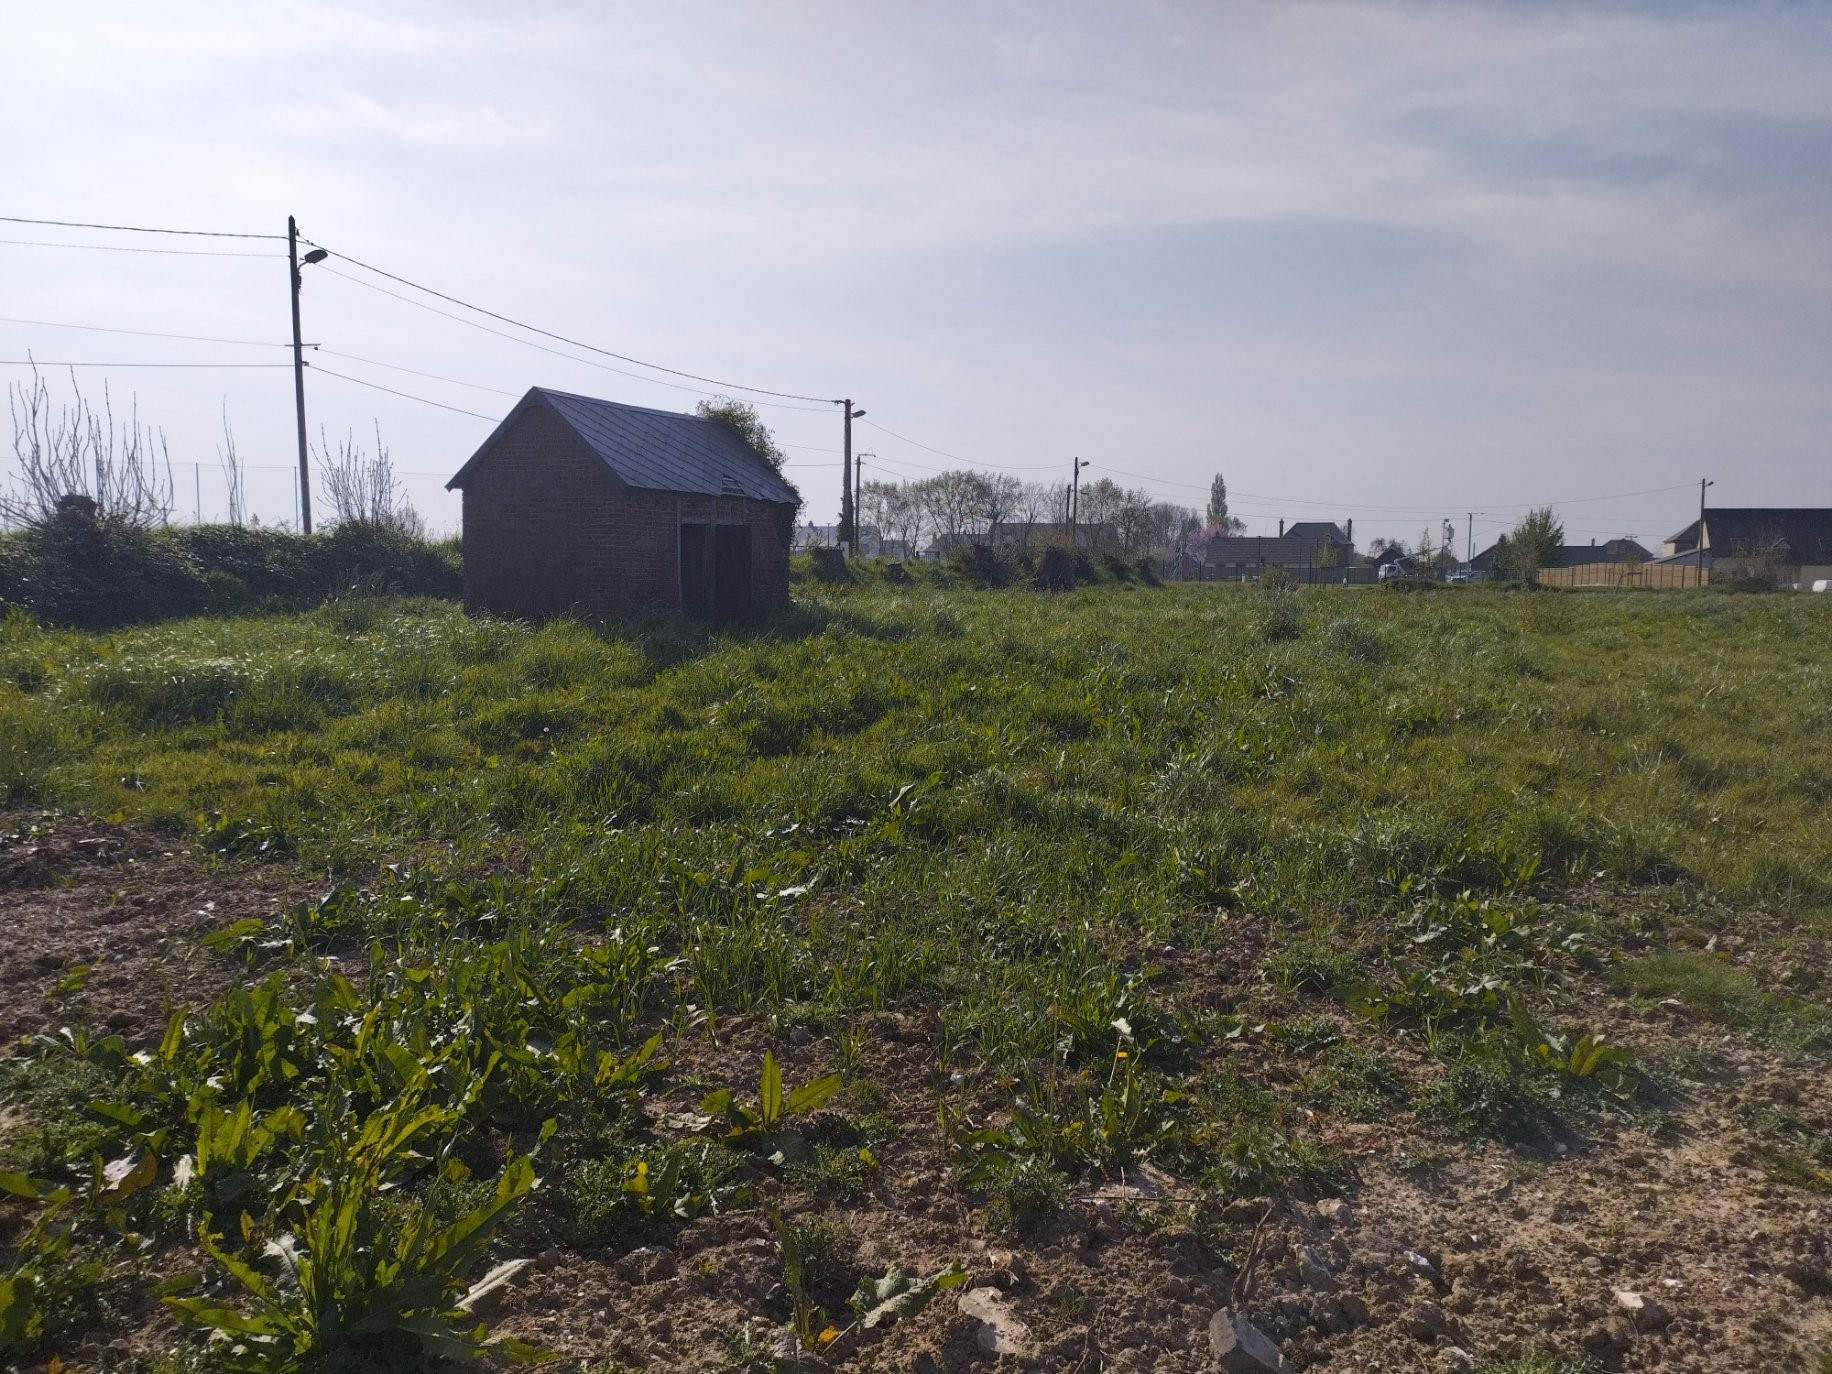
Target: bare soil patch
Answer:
[[1443, 1247], [103, 924]]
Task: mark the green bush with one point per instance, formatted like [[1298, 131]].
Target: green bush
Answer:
[[1279, 615], [1055, 570], [79, 571], [982, 565]]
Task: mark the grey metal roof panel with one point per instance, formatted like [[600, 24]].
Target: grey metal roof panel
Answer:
[[657, 450]]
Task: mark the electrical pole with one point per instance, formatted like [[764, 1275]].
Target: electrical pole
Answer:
[[858, 489], [305, 471], [1469, 541], [848, 516], [1699, 551], [1075, 498]]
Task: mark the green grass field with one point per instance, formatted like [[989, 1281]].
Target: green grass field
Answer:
[[1123, 755], [1088, 840]]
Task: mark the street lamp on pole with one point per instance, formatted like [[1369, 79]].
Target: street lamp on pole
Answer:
[[848, 536], [1075, 497], [294, 262]]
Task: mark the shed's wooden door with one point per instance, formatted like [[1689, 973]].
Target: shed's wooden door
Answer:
[[731, 580], [694, 567]]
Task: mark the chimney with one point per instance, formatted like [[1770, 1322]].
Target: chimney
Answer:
[[1281, 527], [1351, 531]]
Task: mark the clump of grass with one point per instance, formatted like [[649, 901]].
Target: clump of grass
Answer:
[[1317, 963], [1715, 988], [1536, 1360], [1356, 1081], [1487, 1090], [1353, 638], [1281, 617], [1024, 1195]]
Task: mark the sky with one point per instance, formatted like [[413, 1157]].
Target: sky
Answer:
[[1399, 263]]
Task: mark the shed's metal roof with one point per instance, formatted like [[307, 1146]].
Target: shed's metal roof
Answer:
[[657, 450]]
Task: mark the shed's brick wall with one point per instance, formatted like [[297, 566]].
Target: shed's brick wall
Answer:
[[547, 531]]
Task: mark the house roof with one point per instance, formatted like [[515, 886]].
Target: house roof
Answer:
[[1236, 549], [1572, 555], [1316, 529], [1807, 530], [655, 450]]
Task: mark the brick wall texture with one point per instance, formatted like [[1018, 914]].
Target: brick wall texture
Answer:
[[549, 531]]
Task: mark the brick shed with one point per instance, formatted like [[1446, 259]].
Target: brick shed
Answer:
[[587, 507]]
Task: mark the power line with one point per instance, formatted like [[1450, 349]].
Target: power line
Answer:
[[148, 333], [39, 362], [1393, 510], [943, 453], [119, 248], [136, 228], [530, 343], [377, 386], [574, 343], [396, 367]]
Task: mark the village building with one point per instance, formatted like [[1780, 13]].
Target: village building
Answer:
[[1791, 545]]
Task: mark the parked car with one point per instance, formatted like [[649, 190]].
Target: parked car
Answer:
[[1389, 570], [1822, 584]]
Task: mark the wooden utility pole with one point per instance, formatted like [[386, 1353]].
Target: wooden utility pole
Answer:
[[858, 494], [305, 471], [1075, 498], [848, 516], [1698, 552]]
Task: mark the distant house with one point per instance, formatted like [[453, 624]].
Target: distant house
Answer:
[[1792, 542], [1309, 550], [580, 506], [1489, 563], [1032, 535], [872, 543], [1037, 534]]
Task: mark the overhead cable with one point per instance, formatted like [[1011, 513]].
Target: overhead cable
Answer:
[[530, 343], [430, 376], [406, 395], [572, 343], [943, 453], [137, 228], [122, 248], [40, 362], [149, 333]]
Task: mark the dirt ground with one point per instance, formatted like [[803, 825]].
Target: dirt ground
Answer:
[[1481, 1254], [1436, 1256], [103, 923]]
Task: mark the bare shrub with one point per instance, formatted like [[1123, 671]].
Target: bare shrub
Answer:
[[69, 455], [1761, 563], [362, 487], [232, 470]]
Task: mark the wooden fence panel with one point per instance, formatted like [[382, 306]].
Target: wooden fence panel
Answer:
[[1658, 576]]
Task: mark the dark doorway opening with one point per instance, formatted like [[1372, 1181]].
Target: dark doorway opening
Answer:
[[731, 580], [694, 568]]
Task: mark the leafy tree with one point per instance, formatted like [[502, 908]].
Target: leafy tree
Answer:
[[1218, 508], [1533, 543], [1001, 497], [1632, 559], [744, 421], [953, 502]]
